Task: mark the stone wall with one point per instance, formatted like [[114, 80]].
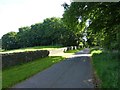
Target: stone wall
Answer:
[[12, 59]]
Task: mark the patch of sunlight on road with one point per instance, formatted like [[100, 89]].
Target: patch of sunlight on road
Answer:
[[80, 55], [66, 55], [69, 55]]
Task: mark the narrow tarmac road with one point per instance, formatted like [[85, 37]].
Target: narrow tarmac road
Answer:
[[74, 72]]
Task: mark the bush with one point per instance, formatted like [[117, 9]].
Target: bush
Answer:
[[107, 68], [11, 59]]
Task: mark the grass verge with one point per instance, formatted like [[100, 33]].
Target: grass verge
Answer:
[[106, 66], [19, 73], [0, 79]]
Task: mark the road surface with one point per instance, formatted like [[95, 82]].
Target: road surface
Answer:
[[74, 72]]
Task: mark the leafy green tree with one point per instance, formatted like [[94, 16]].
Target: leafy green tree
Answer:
[[52, 31], [104, 19], [9, 41], [23, 37]]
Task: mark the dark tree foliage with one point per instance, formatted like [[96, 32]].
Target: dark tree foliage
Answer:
[[23, 37], [9, 41], [104, 20], [51, 32]]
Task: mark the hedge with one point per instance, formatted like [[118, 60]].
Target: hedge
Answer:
[[12, 59]]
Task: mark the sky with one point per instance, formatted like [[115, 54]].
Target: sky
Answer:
[[19, 13]]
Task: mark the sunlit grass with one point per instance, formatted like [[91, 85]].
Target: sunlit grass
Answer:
[[18, 73], [96, 52], [31, 49], [106, 66], [72, 51]]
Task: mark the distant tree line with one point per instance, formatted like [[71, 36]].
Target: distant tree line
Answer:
[[103, 29], [51, 32]]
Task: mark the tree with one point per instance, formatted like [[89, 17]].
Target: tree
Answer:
[[52, 31], [104, 19], [9, 41], [23, 37]]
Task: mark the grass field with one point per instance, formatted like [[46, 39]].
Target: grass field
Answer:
[[31, 49], [19, 73], [106, 66]]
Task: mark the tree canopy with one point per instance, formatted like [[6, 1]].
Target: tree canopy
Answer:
[[51, 31], [103, 19], [96, 21]]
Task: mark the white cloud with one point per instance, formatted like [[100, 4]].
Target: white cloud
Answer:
[[17, 13]]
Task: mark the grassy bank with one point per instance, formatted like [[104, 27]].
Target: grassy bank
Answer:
[[31, 49], [18, 73], [106, 66]]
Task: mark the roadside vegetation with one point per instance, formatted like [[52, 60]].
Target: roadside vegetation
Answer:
[[21, 72], [106, 67], [89, 24], [99, 23], [0, 78], [26, 70], [72, 51]]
